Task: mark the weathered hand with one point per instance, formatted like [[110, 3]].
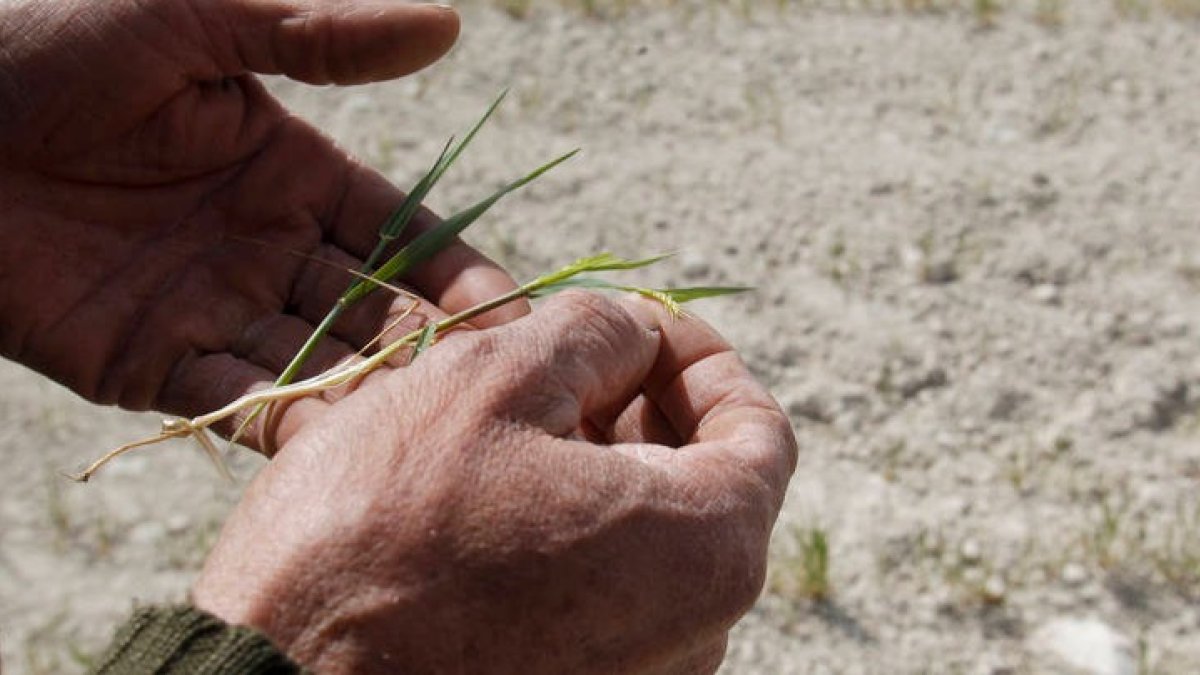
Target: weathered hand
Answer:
[[137, 155], [449, 518]]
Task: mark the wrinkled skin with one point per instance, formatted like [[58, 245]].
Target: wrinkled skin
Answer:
[[588, 489], [143, 167], [449, 519]]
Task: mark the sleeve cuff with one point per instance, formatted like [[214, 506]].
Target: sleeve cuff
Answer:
[[183, 639]]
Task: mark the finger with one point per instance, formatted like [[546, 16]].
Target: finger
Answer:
[[331, 41], [213, 380], [714, 403], [200, 384], [271, 342], [577, 355], [704, 658], [203, 383], [287, 418], [642, 422], [457, 278], [349, 209]]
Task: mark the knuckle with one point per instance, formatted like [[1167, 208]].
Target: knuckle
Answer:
[[735, 559], [775, 459], [302, 44], [482, 367], [594, 314], [468, 352], [733, 572], [582, 304], [741, 571], [744, 581]]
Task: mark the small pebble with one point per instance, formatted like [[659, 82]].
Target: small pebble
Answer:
[[148, 532], [808, 407], [1047, 294], [178, 523], [1174, 326], [994, 590], [939, 271], [694, 266], [1073, 574], [970, 552], [1081, 645]]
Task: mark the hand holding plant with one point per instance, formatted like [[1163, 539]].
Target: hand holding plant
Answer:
[[137, 155], [589, 489]]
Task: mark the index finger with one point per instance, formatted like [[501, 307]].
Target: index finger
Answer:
[[724, 415]]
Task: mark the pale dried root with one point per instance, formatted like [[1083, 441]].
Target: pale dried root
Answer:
[[172, 428]]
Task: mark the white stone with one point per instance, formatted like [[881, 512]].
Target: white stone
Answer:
[[970, 552], [1084, 646], [1073, 574], [995, 590], [178, 523], [694, 265], [147, 532], [1046, 294]]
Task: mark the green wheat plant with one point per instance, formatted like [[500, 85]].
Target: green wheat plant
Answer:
[[585, 273]]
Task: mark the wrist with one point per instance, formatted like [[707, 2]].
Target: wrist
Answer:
[[326, 628], [293, 613], [306, 632], [182, 639], [238, 607]]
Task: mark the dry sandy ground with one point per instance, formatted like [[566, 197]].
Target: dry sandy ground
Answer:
[[977, 254]]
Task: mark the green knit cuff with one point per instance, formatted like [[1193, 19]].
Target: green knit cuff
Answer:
[[182, 639]]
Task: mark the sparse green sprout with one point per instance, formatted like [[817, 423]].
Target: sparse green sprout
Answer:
[[1136, 9], [986, 12], [1104, 541], [517, 9], [1182, 9], [1050, 13], [803, 574], [814, 549], [1177, 557]]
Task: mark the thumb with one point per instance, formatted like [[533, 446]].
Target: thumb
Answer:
[[335, 41]]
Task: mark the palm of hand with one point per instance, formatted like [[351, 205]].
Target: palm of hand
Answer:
[[139, 159]]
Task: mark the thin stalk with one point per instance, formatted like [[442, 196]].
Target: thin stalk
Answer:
[[310, 345], [341, 375], [389, 232], [414, 253], [416, 340]]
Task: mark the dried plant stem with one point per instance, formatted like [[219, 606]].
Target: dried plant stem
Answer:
[[197, 427]]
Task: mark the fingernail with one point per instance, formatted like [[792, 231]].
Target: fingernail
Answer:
[[643, 310]]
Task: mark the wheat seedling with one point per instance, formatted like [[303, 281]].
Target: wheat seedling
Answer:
[[369, 278], [417, 341], [409, 256]]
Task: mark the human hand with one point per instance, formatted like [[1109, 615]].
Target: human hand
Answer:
[[450, 516], [137, 155]]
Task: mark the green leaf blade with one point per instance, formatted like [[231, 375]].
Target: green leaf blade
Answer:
[[434, 240], [683, 295], [588, 283]]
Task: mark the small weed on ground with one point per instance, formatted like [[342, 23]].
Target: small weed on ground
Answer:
[[803, 573]]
